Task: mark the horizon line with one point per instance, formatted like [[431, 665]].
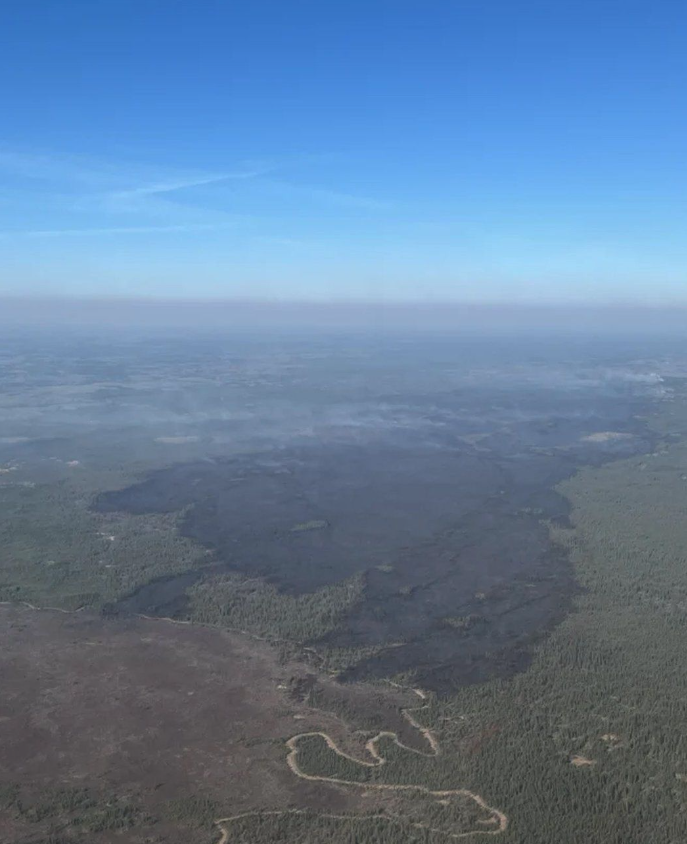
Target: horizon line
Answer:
[[486, 304]]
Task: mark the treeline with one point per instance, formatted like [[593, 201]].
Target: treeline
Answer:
[[590, 743], [314, 828], [71, 814], [55, 552], [252, 604]]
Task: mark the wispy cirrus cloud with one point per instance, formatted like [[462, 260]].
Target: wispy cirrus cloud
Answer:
[[79, 171], [346, 200], [118, 197], [327, 196], [181, 184], [58, 169], [56, 195], [158, 199], [171, 187], [86, 232]]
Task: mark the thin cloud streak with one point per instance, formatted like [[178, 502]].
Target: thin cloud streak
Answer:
[[170, 187], [345, 200], [116, 230], [58, 168], [89, 198], [83, 171]]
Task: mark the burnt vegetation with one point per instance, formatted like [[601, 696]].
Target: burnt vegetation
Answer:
[[517, 551]]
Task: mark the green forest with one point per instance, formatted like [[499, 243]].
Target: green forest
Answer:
[[55, 552], [589, 744]]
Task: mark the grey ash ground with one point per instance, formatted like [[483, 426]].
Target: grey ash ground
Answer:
[[136, 471], [439, 499]]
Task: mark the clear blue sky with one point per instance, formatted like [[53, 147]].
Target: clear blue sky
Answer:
[[462, 149]]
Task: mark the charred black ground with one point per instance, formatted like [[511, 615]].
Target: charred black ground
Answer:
[[446, 521]]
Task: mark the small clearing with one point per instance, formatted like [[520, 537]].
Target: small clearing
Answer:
[[582, 762]]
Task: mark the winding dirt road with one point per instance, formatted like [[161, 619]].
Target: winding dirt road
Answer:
[[498, 821]]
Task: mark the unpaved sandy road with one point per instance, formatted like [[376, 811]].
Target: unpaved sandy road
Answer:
[[498, 821]]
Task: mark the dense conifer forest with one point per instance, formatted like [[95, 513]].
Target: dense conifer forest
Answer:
[[583, 740]]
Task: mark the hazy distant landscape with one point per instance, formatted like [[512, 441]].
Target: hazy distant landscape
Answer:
[[343, 422], [333, 521]]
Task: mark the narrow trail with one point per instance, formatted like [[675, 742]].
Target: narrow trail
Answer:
[[498, 819], [396, 819], [29, 606], [371, 746], [167, 619]]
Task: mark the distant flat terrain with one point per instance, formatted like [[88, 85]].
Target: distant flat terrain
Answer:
[[315, 590]]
